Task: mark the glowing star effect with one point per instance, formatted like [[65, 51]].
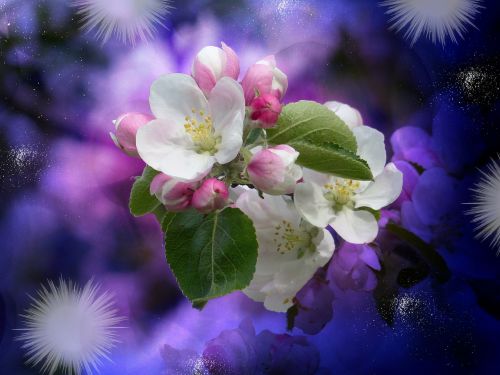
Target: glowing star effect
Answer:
[[486, 206], [438, 20], [70, 329], [129, 20]]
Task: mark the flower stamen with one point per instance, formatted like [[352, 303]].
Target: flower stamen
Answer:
[[341, 191], [200, 129]]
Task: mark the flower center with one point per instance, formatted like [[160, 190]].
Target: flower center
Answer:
[[341, 192], [287, 238], [200, 128]]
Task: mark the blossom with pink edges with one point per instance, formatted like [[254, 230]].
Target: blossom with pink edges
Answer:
[[273, 170], [126, 130], [210, 196], [264, 77], [175, 194], [213, 63], [265, 110]]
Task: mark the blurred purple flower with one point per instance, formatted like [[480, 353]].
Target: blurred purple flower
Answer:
[[233, 351], [352, 267], [292, 355], [414, 145], [433, 208], [315, 304], [241, 352], [410, 180]]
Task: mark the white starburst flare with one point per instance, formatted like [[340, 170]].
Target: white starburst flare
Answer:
[[69, 328], [129, 20], [436, 19], [486, 206]]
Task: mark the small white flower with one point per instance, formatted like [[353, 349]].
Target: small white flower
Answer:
[[327, 200], [190, 133], [290, 249], [128, 19], [69, 328], [486, 206]]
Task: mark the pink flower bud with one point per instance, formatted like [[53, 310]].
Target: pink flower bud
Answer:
[[266, 109], [176, 195], [210, 196], [274, 171], [213, 63], [126, 130], [264, 78], [348, 114]]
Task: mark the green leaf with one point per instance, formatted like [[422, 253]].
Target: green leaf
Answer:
[[253, 135], [332, 159], [325, 142], [211, 255], [141, 201], [160, 212], [311, 120], [167, 219], [427, 252]]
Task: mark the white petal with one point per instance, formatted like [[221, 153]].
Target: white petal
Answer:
[[325, 246], [371, 148], [167, 148], [312, 205], [174, 96], [383, 191], [348, 114], [278, 302], [227, 106], [356, 226], [316, 177], [266, 211]]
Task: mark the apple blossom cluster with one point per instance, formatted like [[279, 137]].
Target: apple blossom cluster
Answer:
[[245, 187]]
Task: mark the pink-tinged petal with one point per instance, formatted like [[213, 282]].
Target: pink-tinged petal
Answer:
[[274, 171], [356, 227], [157, 183], [167, 148], [232, 67], [266, 170], [259, 78], [265, 109], [126, 131], [204, 76], [210, 196], [174, 96], [173, 193], [383, 191]]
